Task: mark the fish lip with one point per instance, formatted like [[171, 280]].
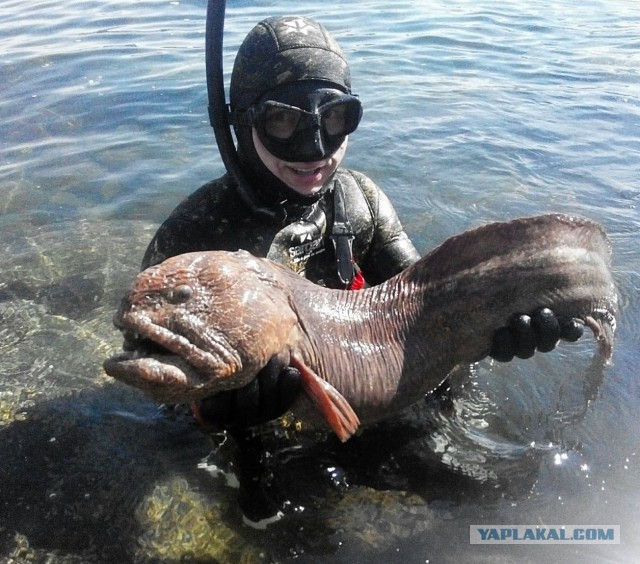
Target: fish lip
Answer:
[[220, 358], [133, 368], [174, 366], [165, 378]]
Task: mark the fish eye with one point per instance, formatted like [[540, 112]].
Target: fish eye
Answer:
[[180, 294]]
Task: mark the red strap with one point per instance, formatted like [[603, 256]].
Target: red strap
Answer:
[[358, 281]]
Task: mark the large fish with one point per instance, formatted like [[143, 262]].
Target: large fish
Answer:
[[204, 322]]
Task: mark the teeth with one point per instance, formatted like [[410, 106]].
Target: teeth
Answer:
[[306, 171]]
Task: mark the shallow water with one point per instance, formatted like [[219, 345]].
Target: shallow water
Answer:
[[474, 111]]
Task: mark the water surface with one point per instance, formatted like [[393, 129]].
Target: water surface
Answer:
[[474, 111]]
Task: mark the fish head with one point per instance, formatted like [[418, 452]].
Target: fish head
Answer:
[[201, 323]]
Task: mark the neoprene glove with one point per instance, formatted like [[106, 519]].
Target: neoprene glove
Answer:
[[527, 333], [268, 396]]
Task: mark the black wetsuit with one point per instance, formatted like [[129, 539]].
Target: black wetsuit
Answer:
[[297, 235]]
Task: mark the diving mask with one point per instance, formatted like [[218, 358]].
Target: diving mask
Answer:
[[303, 134]]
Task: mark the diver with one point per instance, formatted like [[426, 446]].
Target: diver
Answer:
[[292, 109]]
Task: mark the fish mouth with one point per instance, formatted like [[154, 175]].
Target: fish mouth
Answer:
[[172, 365]]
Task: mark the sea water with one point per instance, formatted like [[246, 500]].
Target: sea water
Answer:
[[474, 111]]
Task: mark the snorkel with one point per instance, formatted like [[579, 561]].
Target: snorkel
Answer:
[[218, 112], [328, 67]]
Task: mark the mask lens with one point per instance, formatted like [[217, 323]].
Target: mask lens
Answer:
[[340, 117], [281, 122], [333, 120]]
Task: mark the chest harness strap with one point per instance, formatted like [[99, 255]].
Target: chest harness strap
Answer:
[[342, 237]]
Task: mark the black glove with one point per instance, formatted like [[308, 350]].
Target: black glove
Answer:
[[268, 396], [525, 334]]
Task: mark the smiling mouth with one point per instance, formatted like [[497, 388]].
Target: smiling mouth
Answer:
[[306, 171]]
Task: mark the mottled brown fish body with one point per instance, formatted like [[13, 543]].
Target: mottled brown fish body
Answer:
[[381, 348], [384, 347]]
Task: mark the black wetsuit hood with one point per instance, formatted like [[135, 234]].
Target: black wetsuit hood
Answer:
[[276, 52]]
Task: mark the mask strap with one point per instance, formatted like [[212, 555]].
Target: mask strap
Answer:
[[342, 237]]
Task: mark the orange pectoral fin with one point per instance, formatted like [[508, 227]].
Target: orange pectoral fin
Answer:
[[334, 408]]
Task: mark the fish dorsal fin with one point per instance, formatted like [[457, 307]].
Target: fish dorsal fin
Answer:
[[329, 401]]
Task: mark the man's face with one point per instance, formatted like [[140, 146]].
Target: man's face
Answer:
[[306, 178]]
